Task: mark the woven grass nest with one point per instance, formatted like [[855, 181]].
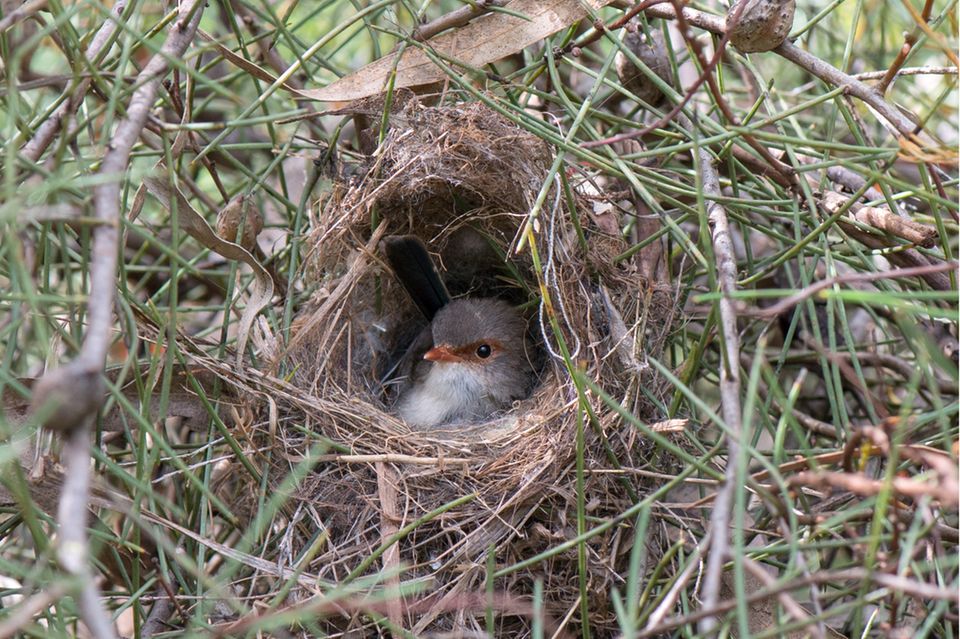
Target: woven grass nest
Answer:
[[444, 173]]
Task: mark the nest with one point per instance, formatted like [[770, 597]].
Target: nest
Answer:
[[444, 174]]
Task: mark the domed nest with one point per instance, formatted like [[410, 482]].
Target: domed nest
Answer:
[[464, 179]]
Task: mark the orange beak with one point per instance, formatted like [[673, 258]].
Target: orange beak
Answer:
[[442, 354]]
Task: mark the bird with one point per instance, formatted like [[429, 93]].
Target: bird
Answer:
[[473, 359]]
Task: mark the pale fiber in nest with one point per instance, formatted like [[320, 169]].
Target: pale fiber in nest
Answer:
[[438, 170]]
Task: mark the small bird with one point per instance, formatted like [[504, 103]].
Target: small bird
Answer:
[[471, 361]]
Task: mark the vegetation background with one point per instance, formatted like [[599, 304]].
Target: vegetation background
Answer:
[[803, 205]]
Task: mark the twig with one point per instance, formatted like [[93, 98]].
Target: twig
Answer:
[[783, 306], [850, 180], [909, 40], [73, 550], [25, 10], [19, 616], [891, 362], [879, 75], [882, 220], [911, 587], [864, 486], [394, 458], [729, 383], [77, 389], [454, 19], [833, 76], [48, 131], [807, 61]]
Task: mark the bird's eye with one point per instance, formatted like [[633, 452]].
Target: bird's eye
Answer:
[[483, 351]]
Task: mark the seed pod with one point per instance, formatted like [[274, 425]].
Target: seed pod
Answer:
[[763, 24], [652, 51], [240, 210]]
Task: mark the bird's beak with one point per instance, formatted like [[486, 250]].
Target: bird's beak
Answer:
[[442, 354]]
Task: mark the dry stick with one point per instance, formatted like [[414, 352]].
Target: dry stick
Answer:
[[865, 486], [660, 612], [22, 615], [779, 308], [914, 588], [25, 10], [456, 18], [788, 602], [729, 382], [807, 61], [881, 219], [784, 171], [72, 384], [931, 70], [908, 41], [48, 131]]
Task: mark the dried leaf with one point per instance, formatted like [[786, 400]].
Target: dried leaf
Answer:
[[485, 40]]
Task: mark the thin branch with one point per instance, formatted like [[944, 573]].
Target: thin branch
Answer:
[[47, 132], [907, 586], [729, 383], [879, 75], [73, 551], [909, 40], [456, 18], [781, 307], [76, 389], [22, 12], [805, 60]]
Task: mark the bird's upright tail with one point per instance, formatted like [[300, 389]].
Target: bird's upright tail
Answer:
[[411, 263]]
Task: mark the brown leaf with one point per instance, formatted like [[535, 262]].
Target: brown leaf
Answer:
[[485, 40]]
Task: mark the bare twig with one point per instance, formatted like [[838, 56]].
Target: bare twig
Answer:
[[456, 18], [865, 486], [893, 582], [882, 219], [909, 40], [25, 10], [73, 550], [48, 131], [879, 75], [729, 383], [76, 389], [783, 306], [852, 181], [19, 616], [805, 60], [835, 77]]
